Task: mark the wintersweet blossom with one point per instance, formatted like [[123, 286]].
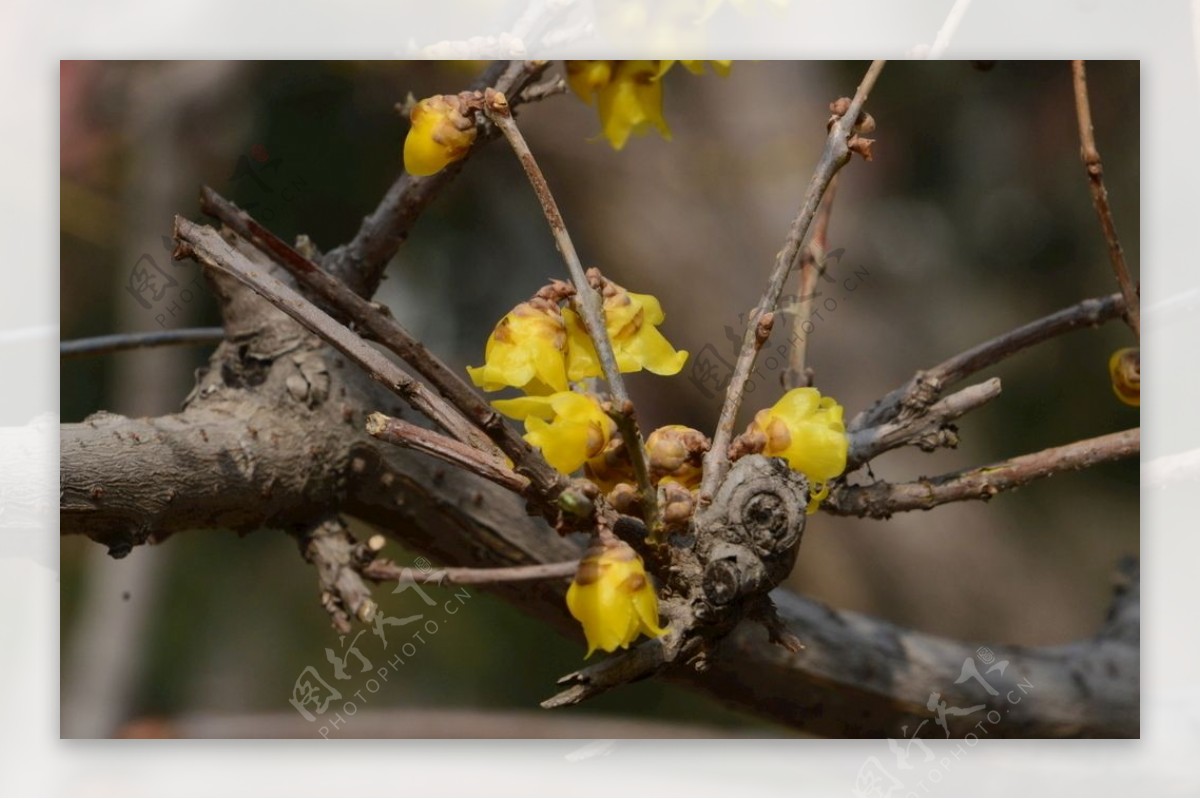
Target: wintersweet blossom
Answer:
[[632, 323], [526, 350], [808, 431], [567, 427], [612, 598], [440, 135]]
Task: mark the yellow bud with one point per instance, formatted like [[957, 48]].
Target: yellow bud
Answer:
[[440, 135], [611, 596], [676, 453], [1125, 371]]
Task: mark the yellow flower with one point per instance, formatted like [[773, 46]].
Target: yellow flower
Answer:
[[567, 427], [631, 321], [632, 101], [613, 599], [440, 134], [526, 350], [1125, 370], [586, 78], [808, 431]]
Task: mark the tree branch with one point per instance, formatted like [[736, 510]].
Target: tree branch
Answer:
[[835, 155], [926, 386], [881, 500], [1095, 173], [812, 266], [120, 342], [386, 571]]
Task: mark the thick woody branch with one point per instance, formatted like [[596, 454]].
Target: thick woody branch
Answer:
[[924, 388], [835, 155], [881, 499], [1095, 173], [370, 318]]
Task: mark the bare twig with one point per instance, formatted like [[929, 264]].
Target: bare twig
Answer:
[[360, 263], [405, 434], [1095, 173], [587, 300], [928, 431], [337, 557], [208, 247], [833, 157], [812, 267], [385, 571], [119, 342], [881, 500], [388, 332], [926, 386]]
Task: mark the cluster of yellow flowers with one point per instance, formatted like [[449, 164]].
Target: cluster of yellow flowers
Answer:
[[628, 94], [542, 348]]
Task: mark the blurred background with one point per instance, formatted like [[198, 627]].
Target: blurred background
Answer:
[[973, 218]]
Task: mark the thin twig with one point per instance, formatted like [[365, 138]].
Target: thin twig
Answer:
[[207, 246], [812, 267], [587, 300], [360, 263], [835, 155], [119, 342], [880, 500], [386, 571], [387, 331], [928, 431], [926, 386], [406, 434], [1095, 174]]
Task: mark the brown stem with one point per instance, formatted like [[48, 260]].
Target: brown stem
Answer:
[[404, 434], [587, 300], [812, 267], [835, 155], [385, 571], [119, 342], [926, 386], [1095, 174], [880, 500]]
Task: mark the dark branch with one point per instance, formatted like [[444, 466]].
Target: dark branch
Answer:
[[119, 342]]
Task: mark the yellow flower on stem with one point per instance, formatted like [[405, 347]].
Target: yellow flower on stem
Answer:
[[808, 431], [440, 135], [567, 427], [526, 350], [612, 597], [1125, 370], [587, 78], [632, 323], [631, 103]]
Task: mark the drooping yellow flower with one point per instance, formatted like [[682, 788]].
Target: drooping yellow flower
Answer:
[[1125, 370], [440, 135], [612, 598], [631, 103], [526, 350], [587, 78], [808, 431], [567, 427], [632, 322]]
